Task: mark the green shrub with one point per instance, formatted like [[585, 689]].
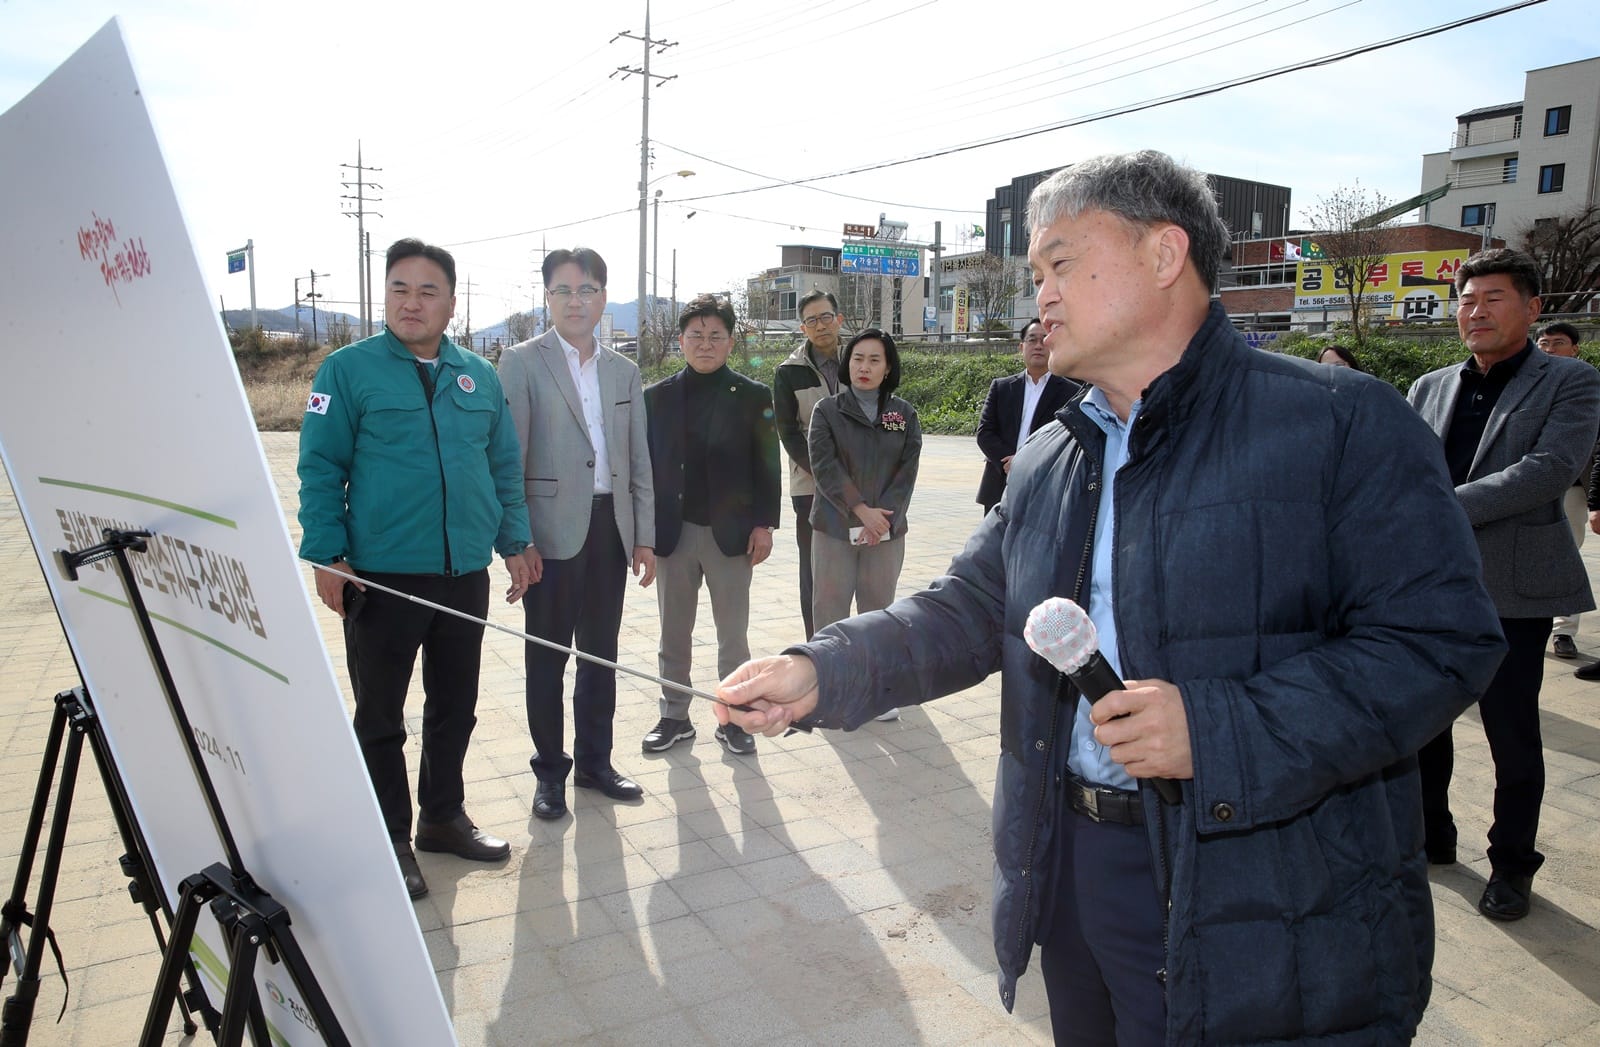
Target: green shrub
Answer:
[[947, 389], [1396, 359]]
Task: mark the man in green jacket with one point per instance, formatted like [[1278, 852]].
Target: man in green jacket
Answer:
[[411, 477]]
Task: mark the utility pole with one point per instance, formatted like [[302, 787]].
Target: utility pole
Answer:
[[655, 261], [540, 315], [312, 297], [469, 313], [938, 271], [644, 143], [363, 290], [367, 276]]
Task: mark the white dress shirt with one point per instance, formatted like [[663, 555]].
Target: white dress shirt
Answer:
[[1032, 390], [586, 376]]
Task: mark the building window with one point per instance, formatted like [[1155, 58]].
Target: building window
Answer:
[[1552, 177], [1474, 214], [1508, 169], [786, 301], [1557, 121], [827, 261]]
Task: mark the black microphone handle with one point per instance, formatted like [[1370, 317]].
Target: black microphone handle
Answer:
[[1096, 679]]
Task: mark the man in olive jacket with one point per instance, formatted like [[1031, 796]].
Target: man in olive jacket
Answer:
[[1274, 559]]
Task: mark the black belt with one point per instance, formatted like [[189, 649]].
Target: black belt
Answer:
[[1104, 804]]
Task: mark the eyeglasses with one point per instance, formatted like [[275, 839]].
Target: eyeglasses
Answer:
[[819, 319], [586, 294], [698, 340]]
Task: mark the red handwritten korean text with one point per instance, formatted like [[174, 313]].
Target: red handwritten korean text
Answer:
[[120, 263]]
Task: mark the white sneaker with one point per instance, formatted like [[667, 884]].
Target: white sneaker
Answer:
[[885, 717]]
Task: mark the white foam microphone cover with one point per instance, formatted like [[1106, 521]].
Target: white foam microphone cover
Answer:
[[1060, 632]]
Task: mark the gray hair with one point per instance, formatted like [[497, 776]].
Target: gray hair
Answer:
[[1141, 188]]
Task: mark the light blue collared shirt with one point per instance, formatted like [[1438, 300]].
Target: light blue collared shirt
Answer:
[[1087, 758]]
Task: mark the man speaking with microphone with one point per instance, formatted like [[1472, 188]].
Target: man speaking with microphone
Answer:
[[1274, 561]]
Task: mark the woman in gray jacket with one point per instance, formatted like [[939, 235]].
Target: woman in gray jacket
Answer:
[[865, 443]]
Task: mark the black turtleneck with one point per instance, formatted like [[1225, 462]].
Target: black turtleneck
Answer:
[[699, 390], [1474, 403]]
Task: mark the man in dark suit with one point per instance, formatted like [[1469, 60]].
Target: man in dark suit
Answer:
[[1518, 426], [714, 452], [579, 411], [1016, 406]]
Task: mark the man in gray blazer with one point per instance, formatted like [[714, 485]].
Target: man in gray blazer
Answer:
[[579, 412], [1518, 426]]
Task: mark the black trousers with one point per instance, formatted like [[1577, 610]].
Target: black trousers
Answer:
[[1101, 951], [1510, 713], [381, 641], [577, 602], [802, 541]]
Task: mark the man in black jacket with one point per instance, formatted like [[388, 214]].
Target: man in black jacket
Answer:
[[714, 454], [1016, 406]]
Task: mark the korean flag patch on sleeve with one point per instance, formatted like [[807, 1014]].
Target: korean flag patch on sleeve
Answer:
[[318, 403]]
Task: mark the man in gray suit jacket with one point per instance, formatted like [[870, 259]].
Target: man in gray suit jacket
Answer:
[[1518, 426], [579, 411]]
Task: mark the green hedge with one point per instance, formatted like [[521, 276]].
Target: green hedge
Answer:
[[947, 389]]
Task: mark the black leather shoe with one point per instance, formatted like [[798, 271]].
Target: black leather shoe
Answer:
[[461, 838], [550, 800], [609, 782], [1441, 854], [736, 740], [1589, 672], [1507, 897], [667, 733], [410, 872]]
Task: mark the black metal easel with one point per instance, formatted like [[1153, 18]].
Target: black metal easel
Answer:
[[250, 919], [75, 712]]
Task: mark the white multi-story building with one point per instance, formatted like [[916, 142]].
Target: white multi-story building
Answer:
[[1513, 165]]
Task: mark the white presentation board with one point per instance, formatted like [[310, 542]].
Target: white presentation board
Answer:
[[121, 406]]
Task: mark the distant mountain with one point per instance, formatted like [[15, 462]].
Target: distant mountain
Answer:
[[624, 318], [284, 320]]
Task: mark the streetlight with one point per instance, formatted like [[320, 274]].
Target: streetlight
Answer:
[[643, 186]]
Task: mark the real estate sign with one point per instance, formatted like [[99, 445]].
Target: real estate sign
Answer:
[[1419, 285]]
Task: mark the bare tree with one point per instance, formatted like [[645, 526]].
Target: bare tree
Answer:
[[1568, 250], [340, 333], [658, 327], [860, 300], [992, 287], [521, 326], [1353, 245]]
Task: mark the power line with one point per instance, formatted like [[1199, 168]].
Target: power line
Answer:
[[830, 192], [363, 260], [1137, 107]]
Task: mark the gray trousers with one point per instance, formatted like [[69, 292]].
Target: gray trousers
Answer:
[[678, 580], [841, 571], [1576, 504]]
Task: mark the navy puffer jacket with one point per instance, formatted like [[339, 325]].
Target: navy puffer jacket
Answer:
[[1289, 552]]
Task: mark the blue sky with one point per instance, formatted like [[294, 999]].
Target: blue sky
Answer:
[[500, 127]]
